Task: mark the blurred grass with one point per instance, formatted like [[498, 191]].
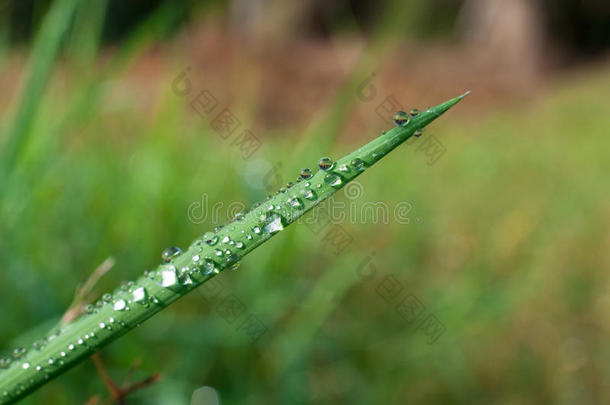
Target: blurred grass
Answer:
[[510, 254]]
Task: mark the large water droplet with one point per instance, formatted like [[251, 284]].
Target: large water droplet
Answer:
[[401, 118], [39, 344], [232, 259], [119, 305], [210, 238], [343, 168], [168, 254], [325, 163], [208, 267], [19, 352], [295, 203], [332, 179], [272, 223], [169, 277], [357, 164], [140, 295], [308, 194], [305, 173]]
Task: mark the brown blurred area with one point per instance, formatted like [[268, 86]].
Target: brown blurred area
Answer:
[[296, 57]]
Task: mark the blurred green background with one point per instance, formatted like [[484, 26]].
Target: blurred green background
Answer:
[[507, 242]]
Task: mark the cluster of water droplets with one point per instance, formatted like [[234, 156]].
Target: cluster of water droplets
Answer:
[[44, 368], [214, 251], [402, 118]]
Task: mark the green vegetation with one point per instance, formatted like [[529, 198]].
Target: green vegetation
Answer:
[[507, 246], [181, 272]]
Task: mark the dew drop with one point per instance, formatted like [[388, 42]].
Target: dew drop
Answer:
[[119, 305], [102, 325], [239, 245], [168, 254], [239, 216], [168, 277], [232, 259], [273, 224], [218, 252], [289, 184], [401, 118], [325, 163], [249, 237], [414, 112], [186, 280], [210, 238], [226, 239], [208, 267], [107, 297], [357, 164], [19, 352], [343, 168], [140, 295], [305, 173], [332, 179], [5, 362], [39, 344], [418, 133], [25, 365], [308, 194], [282, 190], [71, 346], [256, 230], [295, 203]]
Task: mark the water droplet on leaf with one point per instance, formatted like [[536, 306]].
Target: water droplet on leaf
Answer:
[[272, 224], [325, 163], [119, 305], [210, 238], [169, 277], [19, 352], [140, 295], [401, 118], [305, 173], [170, 253], [332, 179], [357, 164]]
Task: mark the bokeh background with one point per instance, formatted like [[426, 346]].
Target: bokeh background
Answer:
[[507, 243]]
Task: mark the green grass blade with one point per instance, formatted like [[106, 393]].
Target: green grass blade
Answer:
[[41, 62], [129, 306]]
